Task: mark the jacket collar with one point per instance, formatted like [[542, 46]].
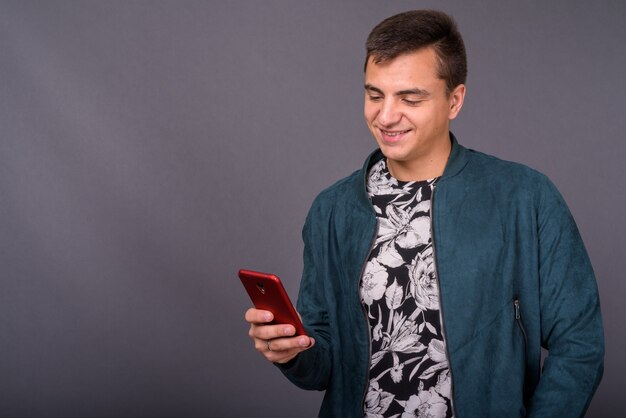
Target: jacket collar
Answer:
[[458, 159]]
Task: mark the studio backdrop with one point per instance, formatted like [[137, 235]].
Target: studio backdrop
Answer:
[[150, 149]]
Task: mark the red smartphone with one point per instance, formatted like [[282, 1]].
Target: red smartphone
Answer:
[[267, 293]]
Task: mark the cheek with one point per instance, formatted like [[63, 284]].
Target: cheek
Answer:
[[426, 117], [369, 113], [417, 118]]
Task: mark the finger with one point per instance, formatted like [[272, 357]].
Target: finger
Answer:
[[270, 332], [280, 354], [276, 345], [258, 316]]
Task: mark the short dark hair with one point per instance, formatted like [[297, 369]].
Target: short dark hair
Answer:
[[410, 31]]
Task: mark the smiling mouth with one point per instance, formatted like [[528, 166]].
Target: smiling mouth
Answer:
[[391, 137], [393, 133]]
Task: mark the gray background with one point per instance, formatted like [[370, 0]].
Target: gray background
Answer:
[[149, 149]]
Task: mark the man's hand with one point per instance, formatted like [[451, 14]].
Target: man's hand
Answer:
[[275, 342]]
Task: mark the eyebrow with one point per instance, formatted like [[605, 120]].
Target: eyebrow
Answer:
[[416, 91]]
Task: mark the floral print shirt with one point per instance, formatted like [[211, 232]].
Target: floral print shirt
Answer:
[[409, 373]]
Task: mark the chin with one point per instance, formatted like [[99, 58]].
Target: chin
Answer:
[[393, 156], [390, 149]]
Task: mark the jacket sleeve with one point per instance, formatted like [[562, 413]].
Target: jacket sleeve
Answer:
[[571, 324], [311, 368]]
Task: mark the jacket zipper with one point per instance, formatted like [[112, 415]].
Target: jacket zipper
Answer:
[[520, 323], [443, 328], [518, 318], [369, 334]]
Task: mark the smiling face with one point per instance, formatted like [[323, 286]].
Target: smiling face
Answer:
[[408, 110]]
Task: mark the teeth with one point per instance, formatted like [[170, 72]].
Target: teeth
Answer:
[[393, 133]]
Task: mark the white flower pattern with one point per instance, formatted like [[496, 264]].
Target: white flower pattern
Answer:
[[423, 285], [374, 282], [426, 404], [409, 371]]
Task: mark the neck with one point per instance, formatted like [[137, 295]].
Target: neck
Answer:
[[426, 168]]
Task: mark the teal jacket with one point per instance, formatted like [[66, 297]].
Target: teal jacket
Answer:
[[513, 275]]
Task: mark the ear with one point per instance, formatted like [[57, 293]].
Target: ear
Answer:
[[457, 96]]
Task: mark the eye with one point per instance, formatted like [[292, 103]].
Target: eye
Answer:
[[374, 98], [411, 102]]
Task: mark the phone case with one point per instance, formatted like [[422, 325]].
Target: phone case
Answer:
[[267, 293]]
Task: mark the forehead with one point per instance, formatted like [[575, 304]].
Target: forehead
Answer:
[[414, 69]]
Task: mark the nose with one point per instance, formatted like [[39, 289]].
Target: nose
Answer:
[[389, 113]]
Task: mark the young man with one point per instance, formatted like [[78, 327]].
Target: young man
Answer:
[[434, 275]]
